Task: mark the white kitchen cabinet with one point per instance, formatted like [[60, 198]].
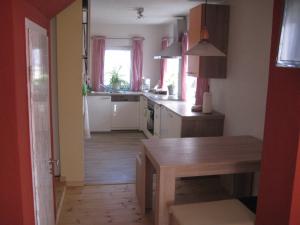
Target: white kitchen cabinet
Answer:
[[170, 124], [143, 113], [125, 115], [99, 109], [157, 120], [163, 122]]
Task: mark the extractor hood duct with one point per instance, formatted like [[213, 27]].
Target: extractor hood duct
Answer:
[[175, 49]]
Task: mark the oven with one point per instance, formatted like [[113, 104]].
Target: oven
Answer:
[[150, 116]]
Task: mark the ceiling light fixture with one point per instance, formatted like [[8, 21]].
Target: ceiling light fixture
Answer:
[[204, 47], [140, 11]]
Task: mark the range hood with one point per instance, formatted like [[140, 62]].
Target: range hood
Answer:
[[175, 49]]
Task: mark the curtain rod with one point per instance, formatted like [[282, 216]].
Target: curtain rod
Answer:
[[117, 38]]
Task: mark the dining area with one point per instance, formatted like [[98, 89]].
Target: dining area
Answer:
[[162, 162]]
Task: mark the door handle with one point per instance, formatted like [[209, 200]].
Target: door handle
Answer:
[[53, 162]]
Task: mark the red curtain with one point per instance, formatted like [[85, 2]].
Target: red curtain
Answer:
[[98, 54], [184, 43], [137, 62], [163, 62], [202, 86]]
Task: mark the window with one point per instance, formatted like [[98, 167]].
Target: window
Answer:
[[171, 76], [117, 64], [191, 85]]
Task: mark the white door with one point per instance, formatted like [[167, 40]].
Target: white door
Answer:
[[125, 115], [39, 115], [157, 120], [170, 124], [99, 108], [163, 122], [174, 125]]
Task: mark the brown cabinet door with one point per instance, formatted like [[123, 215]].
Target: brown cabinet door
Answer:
[[194, 38], [217, 21]]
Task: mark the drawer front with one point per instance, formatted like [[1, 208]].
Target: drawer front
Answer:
[[125, 98]]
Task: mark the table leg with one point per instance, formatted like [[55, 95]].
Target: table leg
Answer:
[[165, 195], [148, 183]]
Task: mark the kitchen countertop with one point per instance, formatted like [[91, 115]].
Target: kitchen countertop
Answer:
[[93, 93], [181, 108]]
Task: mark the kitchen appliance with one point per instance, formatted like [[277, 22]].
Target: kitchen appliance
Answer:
[[146, 84], [150, 116], [158, 92], [174, 50], [140, 12]]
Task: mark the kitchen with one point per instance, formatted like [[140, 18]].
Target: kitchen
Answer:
[[161, 104], [157, 110], [136, 105]]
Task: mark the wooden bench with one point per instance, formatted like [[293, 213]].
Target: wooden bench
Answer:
[[225, 212]]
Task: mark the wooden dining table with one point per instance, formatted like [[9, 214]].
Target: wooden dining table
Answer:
[[188, 157]]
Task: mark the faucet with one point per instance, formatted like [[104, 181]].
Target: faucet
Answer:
[[108, 89]]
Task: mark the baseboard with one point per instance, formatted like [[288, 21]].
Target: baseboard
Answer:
[[62, 179], [75, 183], [72, 183], [60, 205]]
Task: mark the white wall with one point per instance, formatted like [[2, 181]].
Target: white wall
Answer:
[[69, 71], [152, 44], [242, 95]]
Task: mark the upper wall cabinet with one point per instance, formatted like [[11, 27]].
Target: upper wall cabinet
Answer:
[[217, 20]]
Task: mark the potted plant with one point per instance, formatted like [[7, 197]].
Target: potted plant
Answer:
[[115, 80]]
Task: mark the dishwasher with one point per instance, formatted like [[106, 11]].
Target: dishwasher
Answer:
[[125, 112]]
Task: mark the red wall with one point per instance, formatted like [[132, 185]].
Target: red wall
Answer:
[[10, 197], [16, 198], [295, 215], [278, 173]]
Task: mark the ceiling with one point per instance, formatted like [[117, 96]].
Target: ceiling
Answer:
[[156, 11]]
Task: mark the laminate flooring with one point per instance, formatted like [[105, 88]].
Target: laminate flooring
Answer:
[[110, 157]]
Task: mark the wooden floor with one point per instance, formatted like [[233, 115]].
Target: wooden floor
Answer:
[[102, 205], [117, 204], [110, 157]]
